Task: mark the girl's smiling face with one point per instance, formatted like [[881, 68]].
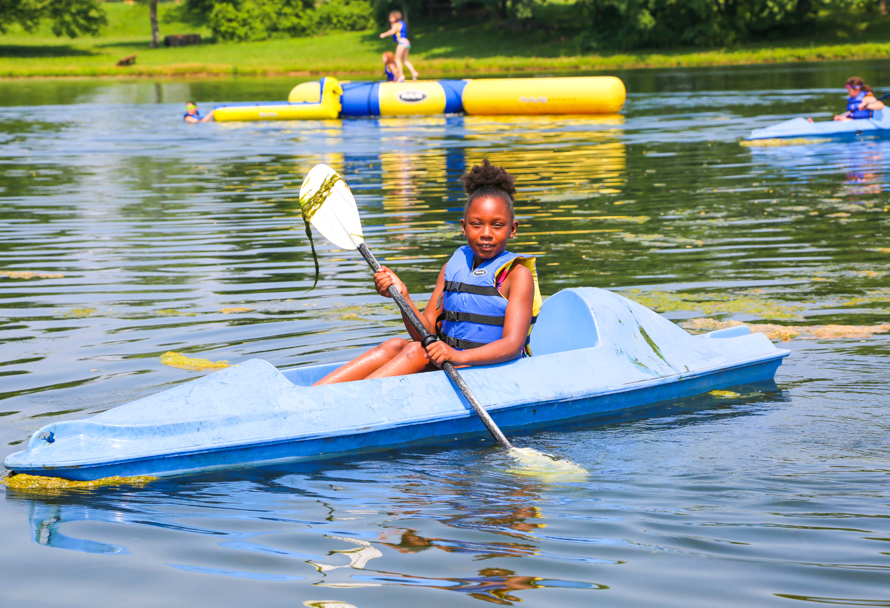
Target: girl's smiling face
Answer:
[[488, 225]]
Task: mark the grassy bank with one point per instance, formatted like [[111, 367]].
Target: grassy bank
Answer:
[[437, 50]]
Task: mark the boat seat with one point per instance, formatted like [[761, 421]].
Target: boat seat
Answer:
[[565, 322]]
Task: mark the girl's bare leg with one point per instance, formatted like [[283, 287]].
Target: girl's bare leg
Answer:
[[402, 59], [368, 363], [410, 66], [400, 71], [411, 360]]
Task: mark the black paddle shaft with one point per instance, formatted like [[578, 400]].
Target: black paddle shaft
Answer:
[[426, 338]]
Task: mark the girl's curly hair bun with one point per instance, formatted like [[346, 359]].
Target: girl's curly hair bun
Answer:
[[490, 175], [489, 180]]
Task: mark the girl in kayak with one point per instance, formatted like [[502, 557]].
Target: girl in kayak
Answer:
[[399, 33], [485, 299], [861, 102]]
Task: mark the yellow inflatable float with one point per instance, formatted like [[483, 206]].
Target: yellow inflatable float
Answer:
[[329, 98], [324, 104]]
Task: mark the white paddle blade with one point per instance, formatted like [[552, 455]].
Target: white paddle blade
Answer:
[[329, 206]]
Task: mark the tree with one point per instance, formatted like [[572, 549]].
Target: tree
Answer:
[[70, 18], [153, 15]]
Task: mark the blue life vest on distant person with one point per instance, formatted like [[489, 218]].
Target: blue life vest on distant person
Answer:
[[197, 115], [390, 76], [473, 309], [402, 33], [853, 106]]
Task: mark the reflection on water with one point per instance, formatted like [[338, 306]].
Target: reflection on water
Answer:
[[125, 234]]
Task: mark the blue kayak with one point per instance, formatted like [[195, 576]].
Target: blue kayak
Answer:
[[800, 128], [596, 355]]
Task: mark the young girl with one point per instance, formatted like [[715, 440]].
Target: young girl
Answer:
[[399, 33], [390, 69], [485, 298], [861, 102]]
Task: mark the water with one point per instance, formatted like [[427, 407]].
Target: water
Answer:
[[769, 498]]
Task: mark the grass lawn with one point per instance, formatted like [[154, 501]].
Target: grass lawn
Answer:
[[437, 50]]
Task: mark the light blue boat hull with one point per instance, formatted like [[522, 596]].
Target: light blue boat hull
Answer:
[[875, 127], [598, 355]]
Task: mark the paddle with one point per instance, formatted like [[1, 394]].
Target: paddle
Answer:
[[329, 206]]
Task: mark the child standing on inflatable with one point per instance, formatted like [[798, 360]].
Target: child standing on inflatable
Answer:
[[485, 299], [861, 102], [399, 33]]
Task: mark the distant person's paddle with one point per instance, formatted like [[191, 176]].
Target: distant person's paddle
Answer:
[[328, 204]]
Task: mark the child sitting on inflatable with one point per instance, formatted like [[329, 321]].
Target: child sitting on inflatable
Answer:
[[192, 115], [861, 103], [390, 69], [485, 299]]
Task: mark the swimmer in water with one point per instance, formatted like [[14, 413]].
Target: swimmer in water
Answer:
[[399, 33], [192, 115]]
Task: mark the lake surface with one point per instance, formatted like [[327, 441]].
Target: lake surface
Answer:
[[125, 233]]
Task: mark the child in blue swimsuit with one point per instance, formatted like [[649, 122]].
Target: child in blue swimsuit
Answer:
[[484, 302], [399, 33], [192, 114]]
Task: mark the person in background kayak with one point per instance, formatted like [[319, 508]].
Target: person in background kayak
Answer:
[[485, 299], [861, 102], [399, 33], [390, 69], [192, 115]]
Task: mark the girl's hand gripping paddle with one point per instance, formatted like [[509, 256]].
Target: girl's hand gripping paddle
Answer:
[[329, 206]]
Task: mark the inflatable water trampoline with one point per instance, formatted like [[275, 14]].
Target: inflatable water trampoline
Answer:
[[329, 98]]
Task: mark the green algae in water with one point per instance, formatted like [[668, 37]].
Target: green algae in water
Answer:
[[77, 313], [715, 303], [309, 206], [172, 312], [38, 484]]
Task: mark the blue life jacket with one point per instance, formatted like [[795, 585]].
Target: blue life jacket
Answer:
[[473, 309], [197, 115], [402, 33], [390, 76], [853, 106]]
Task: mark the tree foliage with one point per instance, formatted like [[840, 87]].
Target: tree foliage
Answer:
[[261, 19], [666, 23], [70, 18], [596, 24]]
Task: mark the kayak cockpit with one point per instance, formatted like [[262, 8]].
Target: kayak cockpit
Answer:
[[566, 322]]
